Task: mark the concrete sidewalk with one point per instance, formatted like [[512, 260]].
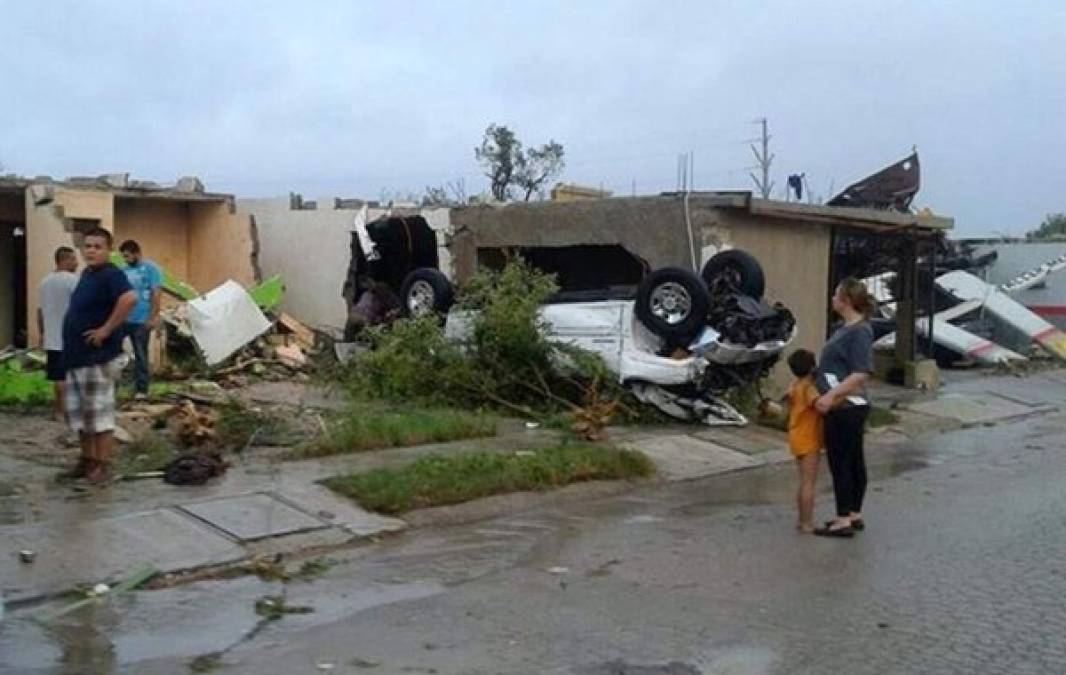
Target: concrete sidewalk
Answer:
[[266, 506]]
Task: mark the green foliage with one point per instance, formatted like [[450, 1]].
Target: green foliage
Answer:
[[410, 360], [148, 452], [505, 361], [508, 340], [238, 423], [1053, 227], [506, 163], [366, 428], [23, 387], [437, 480]]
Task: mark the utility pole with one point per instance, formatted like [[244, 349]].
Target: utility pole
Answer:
[[764, 159]]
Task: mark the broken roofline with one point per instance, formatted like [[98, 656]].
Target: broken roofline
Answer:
[[16, 185], [843, 216]]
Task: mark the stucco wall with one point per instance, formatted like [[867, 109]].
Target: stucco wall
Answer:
[[46, 230], [652, 227], [311, 249], [160, 227], [220, 246]]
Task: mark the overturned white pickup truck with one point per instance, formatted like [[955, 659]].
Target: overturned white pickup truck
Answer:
[[665, 345], [679, 340]]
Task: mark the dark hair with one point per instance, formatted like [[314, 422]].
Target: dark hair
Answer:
[[99, 232], [62, 253], [854, 291], [801, 362], [130, 246]]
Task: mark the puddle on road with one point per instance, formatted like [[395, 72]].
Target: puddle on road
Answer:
[[182, 622]]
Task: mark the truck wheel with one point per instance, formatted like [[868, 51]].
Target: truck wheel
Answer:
[[672, 303], [736, 270], [426, 291]]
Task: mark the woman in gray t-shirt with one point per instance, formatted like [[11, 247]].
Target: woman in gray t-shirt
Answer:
[[843, 369]]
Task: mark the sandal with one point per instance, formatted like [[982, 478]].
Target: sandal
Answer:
[[846, 531], [858, 525], [79, 471], [100, 474]]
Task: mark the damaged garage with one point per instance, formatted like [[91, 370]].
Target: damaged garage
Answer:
[[603, 249]]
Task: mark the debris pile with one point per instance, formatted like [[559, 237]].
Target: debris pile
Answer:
[[233, 335], [743, 320]]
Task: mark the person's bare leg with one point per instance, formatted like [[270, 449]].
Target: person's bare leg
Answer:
[[58, 410], [808, 466], [88, 445], [101, 470]]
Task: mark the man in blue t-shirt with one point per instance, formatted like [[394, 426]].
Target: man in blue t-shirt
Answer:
[[92, 345], [147, 280]]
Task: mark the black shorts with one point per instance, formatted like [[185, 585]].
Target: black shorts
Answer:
[[53, 367]]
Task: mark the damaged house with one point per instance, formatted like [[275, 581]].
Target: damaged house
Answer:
[[602, 249], [195, 235]]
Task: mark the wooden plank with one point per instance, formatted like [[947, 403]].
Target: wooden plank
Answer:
[[304, 335]]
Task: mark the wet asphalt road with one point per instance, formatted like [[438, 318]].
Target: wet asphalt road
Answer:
[[962, 570]]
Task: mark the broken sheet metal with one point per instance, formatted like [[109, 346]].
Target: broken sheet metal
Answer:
[[966, 286], [171, 284], [270, 293], [892, 188], [225, 319], [959, 341], [706, 409]]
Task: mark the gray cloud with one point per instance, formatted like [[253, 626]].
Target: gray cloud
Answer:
[[343, 98]]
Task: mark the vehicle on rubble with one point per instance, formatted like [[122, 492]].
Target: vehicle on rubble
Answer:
[[679, 340]]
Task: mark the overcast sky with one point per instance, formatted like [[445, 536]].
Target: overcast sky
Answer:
[[350, 99]]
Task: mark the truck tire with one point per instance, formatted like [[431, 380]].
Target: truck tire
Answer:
[[426, 291], [672, 303], [735, 269]]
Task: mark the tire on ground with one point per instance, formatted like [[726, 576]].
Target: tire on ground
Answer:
[[426, 291], [672, 303], [747, 274]]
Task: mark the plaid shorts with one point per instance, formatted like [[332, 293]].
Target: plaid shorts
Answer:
[[90, 399]]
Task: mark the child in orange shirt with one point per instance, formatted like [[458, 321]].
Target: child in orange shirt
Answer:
[[804, 433]]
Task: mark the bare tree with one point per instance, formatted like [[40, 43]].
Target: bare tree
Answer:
[[453, 193]]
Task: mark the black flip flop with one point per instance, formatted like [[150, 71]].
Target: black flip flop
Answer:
[[857, 525], [827, 531]]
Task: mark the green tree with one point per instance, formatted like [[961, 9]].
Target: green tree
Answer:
[[507, 163], [538, 166], [1053, 227]]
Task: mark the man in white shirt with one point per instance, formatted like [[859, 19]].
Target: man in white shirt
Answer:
[[53, 299]]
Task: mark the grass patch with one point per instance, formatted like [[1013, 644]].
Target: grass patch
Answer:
[[880, 417], [156, 390], [372, 429], [150, 452], [237, 424], [438, 480], [23, 387]]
